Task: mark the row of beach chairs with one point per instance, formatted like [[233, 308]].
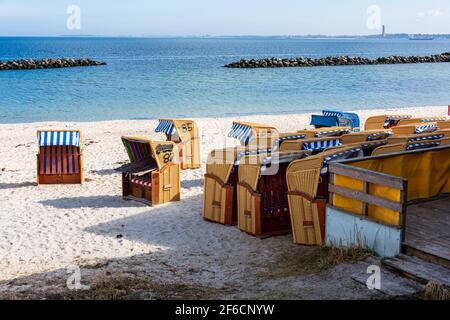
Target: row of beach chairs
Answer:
[[293, 198], [273, 183]]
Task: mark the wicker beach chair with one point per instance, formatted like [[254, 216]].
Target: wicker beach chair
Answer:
[[153, 174], [60, 157], [314, 145], [307, 183], [390, 148], [331, 118], [384, 121], [262, 193], [325, 132], [415, 128], [423, 120], [185, 134], [220, 187], [370, 135]]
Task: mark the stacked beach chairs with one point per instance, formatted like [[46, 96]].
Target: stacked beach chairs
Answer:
[[273, 183], [185, 134]]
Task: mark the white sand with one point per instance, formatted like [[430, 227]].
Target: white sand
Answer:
[[48, 228]]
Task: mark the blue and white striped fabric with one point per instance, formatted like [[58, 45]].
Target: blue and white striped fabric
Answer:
[[59, 138], [250, 152], [331, 133], [278, 141], [428, 137], [423, 145], [329, 113], [378, 136], [339, 156], [394, 120], [166, 126], [433, 119], [241, 132], [426, 128], [321, 145]]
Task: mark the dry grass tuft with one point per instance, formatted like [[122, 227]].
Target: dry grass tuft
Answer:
[[436, 291]]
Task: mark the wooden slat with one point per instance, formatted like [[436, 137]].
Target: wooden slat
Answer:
[[367, 198], [419, 269], [366, 175]]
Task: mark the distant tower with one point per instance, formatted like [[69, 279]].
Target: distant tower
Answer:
[[383, 33]]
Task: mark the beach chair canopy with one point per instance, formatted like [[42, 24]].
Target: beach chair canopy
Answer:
[[331, 118], [149, 153], [184, 128], [384, 121], [59, 138], [325, 132], [320, 144], [246, 131], [417, 128], [60, 158]]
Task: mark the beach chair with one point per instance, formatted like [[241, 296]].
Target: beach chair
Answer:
[[331, 118], [153, 174], [307, 183], [367, 146], [325, 132], [415, 128], [262, 194], [410, 121], [257, 134], [390, 148], [444, 125], [60, 157], [220, 197], [314, 145], [370, 135], [413, 138], [185, 134], [384, 121]]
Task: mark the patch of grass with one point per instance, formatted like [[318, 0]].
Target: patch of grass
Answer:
[[291, 263], [120, 288]]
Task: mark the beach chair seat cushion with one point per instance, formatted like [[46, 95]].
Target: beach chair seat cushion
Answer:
[[146, 182]]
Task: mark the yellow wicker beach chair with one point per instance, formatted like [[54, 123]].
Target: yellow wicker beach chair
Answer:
[[415, 128], [410, 121], [325, 132], [220, 197], [314, 145], [390, 148], [384, 121], [257, 134], [60, 157], [444, 125], [153, 174], [363, 136], [185, 134], [307, 183], [262, 193]]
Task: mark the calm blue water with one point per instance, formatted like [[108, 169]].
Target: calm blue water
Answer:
[[151, 78]]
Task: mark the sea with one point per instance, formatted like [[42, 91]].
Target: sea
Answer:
[[148, 78]]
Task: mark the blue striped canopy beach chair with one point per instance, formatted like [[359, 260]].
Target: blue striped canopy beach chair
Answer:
[[60, 157], [331, 118]]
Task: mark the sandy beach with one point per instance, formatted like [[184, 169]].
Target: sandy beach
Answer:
[[47, 229]]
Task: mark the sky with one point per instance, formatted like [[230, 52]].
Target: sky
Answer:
[[221, 17]]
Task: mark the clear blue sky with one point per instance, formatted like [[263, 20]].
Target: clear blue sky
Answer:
[[221, 17]]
